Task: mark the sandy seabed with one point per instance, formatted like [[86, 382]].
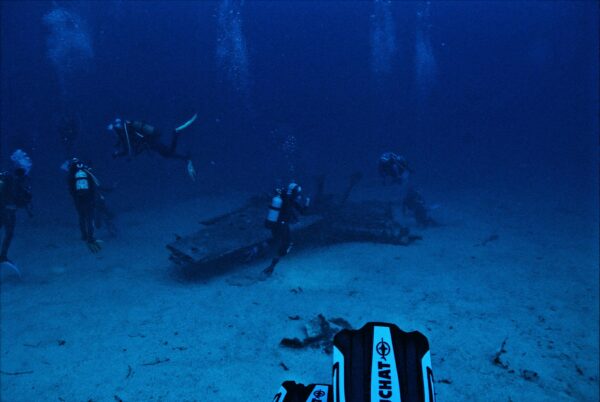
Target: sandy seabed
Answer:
[[122, 325]]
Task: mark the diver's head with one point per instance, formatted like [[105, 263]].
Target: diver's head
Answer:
[[115, 125], [76, 163], [294, 190]]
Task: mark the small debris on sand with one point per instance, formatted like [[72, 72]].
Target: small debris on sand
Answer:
[[129, 372], [497, 360], [16, 372], [319, 333], [293, 343], [156, 361], [529, 375]]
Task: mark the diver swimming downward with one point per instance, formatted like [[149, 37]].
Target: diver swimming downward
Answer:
[[135, 137]]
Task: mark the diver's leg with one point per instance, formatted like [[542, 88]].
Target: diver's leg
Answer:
[[283, 238], [276, 241], [169, 151], [180, 156], [166, 150], [268, 271], [286, 240], [90, 220], [9, 231], [98, 218], [81, 216]]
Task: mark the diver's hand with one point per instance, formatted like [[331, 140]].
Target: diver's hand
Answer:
[[292, 392]]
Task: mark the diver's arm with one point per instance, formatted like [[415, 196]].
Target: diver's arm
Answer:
[[396, 169], [302, 207]]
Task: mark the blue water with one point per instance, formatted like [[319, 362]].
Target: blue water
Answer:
[[474, 94], [500, 85]]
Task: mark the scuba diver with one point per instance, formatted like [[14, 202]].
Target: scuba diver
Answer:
[[282, 213], [394, 166], [83, 186], [415, 203], [15, 193], [135, 137]]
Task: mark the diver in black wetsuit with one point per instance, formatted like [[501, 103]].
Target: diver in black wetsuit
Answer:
[[15, 193], [282, 213], [393, 166], [83, 187], [135, 137]]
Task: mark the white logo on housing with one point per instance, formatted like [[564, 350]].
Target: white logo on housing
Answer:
[[318, 394], [384, 375]]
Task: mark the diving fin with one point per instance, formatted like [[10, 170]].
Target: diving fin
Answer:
[[95, 246], [268, 271], [191, 170], [186, 124], [12, 266]]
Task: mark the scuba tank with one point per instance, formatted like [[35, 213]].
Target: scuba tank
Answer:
[[274, 211], [81, 180]]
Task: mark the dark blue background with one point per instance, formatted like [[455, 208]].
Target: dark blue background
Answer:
[[515, 96]]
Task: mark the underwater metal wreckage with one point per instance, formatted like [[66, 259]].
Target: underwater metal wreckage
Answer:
[[228, 239]]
